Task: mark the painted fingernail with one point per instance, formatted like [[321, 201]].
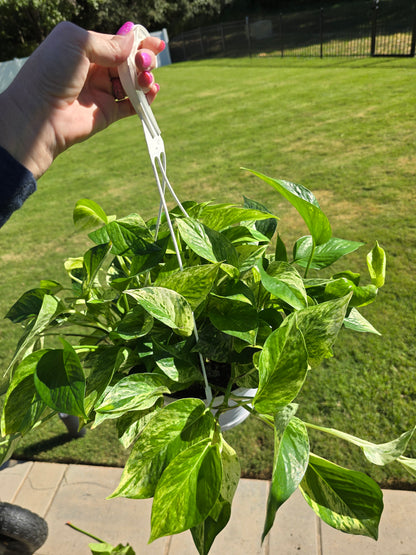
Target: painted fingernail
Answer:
[[144, 60], [157, 87], [126, 28], [162, 45], [145, 79]]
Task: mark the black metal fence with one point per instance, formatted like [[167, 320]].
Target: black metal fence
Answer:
[[363, 28]]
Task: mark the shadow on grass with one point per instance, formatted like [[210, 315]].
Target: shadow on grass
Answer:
[[42, 446]]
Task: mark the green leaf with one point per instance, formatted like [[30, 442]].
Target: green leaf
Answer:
[[60, 380], [48, 310], [320, 325], [136, 323], [205, 533], [101, 363], [305, 203], [231, 471], [384, 453], [376, 262], [193, 283], [242, 234], [131, 424], [356, 321], [92, 262], [8, 446], [235, 318], [235, 290], [291, 456], [88, 214], [50, 286], [213, 343], [248, 256], [345, 499], [27, 306], [341, 286], [280, 253], [187, 490], [180, 371], [167, 306], [325, 254], [104, 548], [172, 430], [377, 453], [221, 216], [128, 236], [409, 464], [22, 406], [207, 243], [284, 282], [283, 365], [135, 392], [268, 226]]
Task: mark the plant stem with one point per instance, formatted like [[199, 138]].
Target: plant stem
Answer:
[[259, 416], [84, 532], [73, 335]]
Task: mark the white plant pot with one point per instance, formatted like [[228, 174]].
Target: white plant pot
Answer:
[[236, 416]]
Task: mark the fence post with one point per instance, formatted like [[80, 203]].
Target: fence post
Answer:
[[222, 37], [374, 27], [413, 44], [183, 46], [248, 35], [201, 40], [321, 31]]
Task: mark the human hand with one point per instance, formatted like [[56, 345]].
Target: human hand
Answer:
[[66, 92]]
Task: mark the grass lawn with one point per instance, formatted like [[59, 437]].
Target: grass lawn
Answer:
[[346, 129]]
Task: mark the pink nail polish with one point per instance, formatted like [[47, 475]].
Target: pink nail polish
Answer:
[[126, 28], [145, 79], [157, 87], [162, 45], [145, 60]]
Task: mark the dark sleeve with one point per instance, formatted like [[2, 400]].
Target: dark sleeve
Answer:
[[16, 184]]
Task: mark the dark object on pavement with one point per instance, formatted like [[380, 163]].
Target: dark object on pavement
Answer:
[[21, 531]]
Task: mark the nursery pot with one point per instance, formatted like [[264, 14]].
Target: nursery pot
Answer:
[[219, 374], [232, 417]]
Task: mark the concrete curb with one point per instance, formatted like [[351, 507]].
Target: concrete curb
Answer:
[[61, 493]]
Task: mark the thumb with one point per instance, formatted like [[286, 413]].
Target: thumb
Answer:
[[108, 50]]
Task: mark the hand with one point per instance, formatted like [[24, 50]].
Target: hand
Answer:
[[66, 92]]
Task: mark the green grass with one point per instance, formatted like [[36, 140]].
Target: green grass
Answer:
[[345, 129]]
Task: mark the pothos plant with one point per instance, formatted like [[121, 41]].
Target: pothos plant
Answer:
[[167, 343]]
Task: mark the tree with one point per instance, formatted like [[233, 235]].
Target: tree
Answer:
[[25, 23]]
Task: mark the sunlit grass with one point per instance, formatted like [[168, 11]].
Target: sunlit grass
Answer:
[[343, 128]]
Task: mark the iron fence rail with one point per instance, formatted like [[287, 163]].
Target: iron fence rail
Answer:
[[366, 28]]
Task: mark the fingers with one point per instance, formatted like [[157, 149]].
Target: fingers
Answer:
[[145, 60], [108, 50], [154, 44], [151, 95]]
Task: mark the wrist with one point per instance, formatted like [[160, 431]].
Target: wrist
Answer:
[[24, 135]]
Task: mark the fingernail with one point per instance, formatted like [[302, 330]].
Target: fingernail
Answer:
[[162, 45], [145, 79], [126, 28], [145, 60], [157, 87]]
